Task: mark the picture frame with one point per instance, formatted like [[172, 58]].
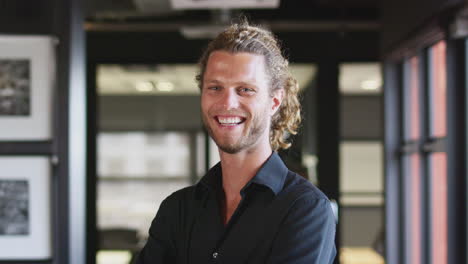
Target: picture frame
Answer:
[[25, 214], [27, 74]]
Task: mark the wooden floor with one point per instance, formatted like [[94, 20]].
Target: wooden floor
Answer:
[[360, 256], [347, 256], [113, 257]]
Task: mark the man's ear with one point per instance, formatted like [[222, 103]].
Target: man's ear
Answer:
[[277, 99]]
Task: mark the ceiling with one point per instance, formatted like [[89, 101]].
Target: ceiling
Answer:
[[129, 11], [179, 79]]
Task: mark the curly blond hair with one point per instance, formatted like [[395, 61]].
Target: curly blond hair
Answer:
[[242, 37]]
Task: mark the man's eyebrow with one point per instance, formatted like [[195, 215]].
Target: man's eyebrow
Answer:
[[213, 81], [246, 83]]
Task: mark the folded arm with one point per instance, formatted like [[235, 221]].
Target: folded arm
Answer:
[[307, 235]]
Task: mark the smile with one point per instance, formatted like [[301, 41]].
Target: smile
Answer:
[[230, 121]]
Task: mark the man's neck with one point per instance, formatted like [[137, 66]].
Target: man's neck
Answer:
[[240, 168]]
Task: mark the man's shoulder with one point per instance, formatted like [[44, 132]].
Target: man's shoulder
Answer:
[[181, 195], [305, 198], [301, 188], [182, 200]]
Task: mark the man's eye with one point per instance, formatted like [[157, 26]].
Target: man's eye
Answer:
[[246, 90], [214, 88]]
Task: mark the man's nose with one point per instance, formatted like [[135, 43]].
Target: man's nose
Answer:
[[230, 99]]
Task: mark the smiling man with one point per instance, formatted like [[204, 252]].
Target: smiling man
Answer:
[[249, 208]]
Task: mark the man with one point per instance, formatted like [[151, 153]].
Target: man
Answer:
[[249, 208]]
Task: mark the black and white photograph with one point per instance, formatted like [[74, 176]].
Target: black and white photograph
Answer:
[[15, 91], [14, 207], [27, 76], [25, 208]]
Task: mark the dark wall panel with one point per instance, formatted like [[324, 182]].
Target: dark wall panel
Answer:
[[316, 46], [172, 47], [26, 17], [401, 18], [146, 47]]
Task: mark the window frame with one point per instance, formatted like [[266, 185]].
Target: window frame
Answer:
[[453, 144]]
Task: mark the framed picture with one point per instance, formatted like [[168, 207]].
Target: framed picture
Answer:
[[25, 227], [27, 73]]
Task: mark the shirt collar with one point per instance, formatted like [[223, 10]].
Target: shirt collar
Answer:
[[272, 174]]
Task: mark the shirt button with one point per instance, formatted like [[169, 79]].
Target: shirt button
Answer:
[[215, 255]]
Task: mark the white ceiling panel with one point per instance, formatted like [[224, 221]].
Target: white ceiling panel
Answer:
[[360, 78]]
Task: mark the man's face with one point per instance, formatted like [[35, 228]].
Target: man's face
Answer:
[[235, 101]]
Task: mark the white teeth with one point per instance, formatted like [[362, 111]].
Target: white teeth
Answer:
[[229, 120]]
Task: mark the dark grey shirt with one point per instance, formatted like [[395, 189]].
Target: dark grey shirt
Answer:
[[282, 218]]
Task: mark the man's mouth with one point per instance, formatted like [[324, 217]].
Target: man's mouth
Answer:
[[230, 121]]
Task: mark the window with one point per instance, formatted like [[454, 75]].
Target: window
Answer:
[[423, 193], [438, 158], [411, 160], [438, 168]]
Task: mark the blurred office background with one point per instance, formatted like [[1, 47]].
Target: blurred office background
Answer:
[[156, 145], [383, 91]]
